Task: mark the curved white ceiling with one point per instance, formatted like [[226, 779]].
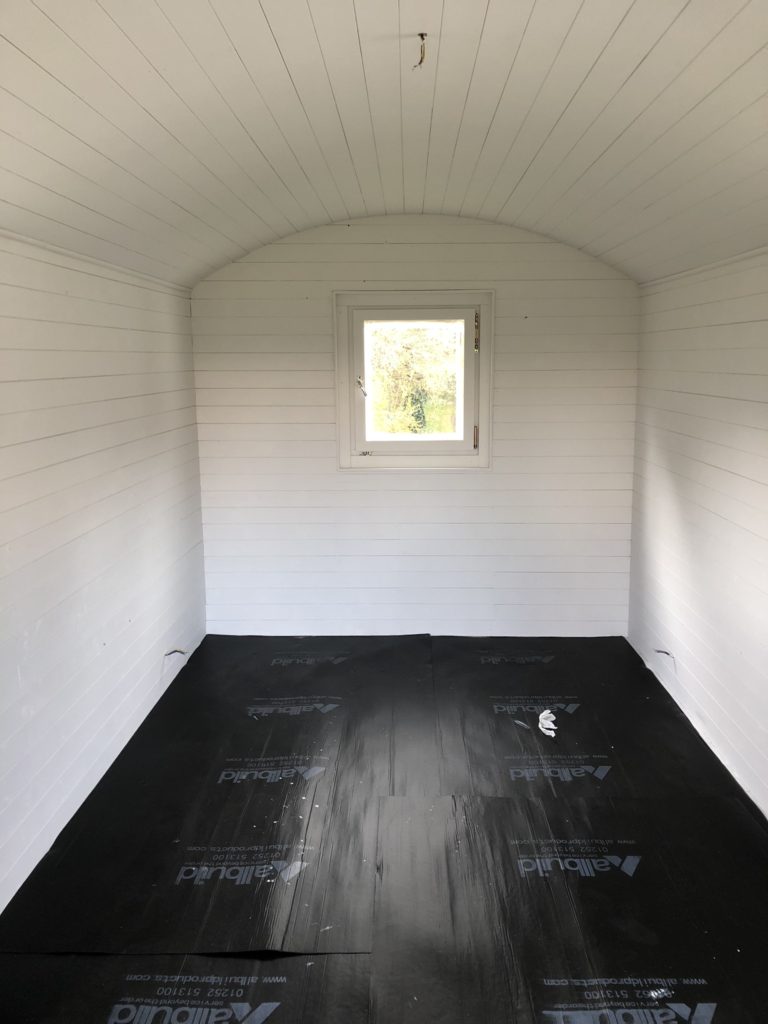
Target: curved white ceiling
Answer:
[[173, 136]]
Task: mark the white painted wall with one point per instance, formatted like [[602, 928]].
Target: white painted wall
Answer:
[[537, 545], [700, 541], [100, 520], [101, 501]]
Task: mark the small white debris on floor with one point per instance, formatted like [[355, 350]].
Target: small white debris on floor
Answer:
[[547, 723]]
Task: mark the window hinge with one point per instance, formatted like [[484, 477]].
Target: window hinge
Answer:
[[477, 332], [477, 438]]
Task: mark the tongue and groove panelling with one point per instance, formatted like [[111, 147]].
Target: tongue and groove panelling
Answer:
[[700, 541], [102, 557], [537, 545]]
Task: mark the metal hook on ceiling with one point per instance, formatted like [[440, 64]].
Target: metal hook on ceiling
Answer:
[[423, 54]]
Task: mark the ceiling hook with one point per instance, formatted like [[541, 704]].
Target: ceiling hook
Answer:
[[423, 54]]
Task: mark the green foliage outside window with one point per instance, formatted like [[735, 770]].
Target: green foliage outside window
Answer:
[[414, 376]]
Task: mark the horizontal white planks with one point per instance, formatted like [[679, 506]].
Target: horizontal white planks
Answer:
[[538, 544], [100, 519], [700, 539]]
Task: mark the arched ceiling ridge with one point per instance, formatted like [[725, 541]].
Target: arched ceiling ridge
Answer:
[[429, 228], [169, 138]]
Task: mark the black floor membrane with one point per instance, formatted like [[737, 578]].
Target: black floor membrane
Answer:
[[618, 731], [184, 990], [495, 903], [243, 814], [340, 797]]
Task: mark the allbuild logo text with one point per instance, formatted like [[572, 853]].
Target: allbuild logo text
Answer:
[[672, 1013], [587, 867], [264, 711], [563, 772], [535, 709], [241, 874], [523, 658], [308, 658], [236, 1013], [268, 774]]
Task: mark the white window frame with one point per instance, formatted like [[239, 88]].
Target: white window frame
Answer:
[[350, 311]]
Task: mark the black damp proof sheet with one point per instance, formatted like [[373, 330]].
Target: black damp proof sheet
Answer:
[[520, 910], [71, 989], [632, 999], [282, 862], [383, 686], [242, 815], [281, 781], [368, 700], [227, 671], [618, 731]]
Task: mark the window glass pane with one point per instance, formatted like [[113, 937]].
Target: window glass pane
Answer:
[[414, 380]]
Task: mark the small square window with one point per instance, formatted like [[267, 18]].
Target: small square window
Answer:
[[413, 376]]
